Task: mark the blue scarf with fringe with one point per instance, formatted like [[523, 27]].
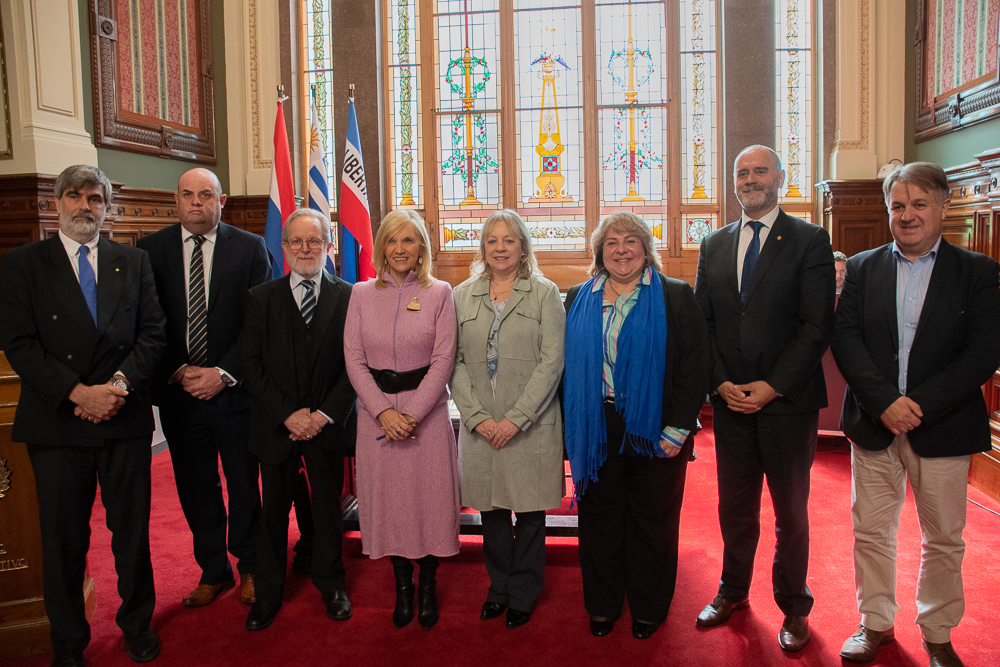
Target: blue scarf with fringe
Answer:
[[638, 378]]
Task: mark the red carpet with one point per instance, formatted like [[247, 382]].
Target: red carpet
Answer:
[[557, 634]]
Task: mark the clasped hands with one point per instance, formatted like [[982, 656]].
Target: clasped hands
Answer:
[[97, 403], [747, 398], [902, 416], [201, 382], [498, 434], [305, 425], [396, 425]]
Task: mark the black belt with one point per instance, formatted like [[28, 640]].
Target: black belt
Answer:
[[392, 382]]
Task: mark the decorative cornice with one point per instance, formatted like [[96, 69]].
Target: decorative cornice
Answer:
[[861, 144]]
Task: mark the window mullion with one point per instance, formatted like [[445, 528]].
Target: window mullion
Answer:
[[591, 145], [429, 143], [508, 120]]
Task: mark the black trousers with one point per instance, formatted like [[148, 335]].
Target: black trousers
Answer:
[[750, 448], [515, 557], [198, 436], [66, 482], [325, 469], [629, 523]]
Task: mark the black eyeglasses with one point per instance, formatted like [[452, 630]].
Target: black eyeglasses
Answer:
[[296, 244]]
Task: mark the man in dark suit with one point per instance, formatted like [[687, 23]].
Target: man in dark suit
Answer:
[[203, 270], [293, 357], [766, 285], [917, 335], [82, 327]]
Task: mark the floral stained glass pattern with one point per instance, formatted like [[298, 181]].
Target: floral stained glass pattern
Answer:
[[793, 65], [404, 73]]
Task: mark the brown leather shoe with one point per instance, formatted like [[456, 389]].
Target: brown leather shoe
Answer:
[[794, 633], [942, 655], [247, 594], [205, 594], [861, 647], [719, 610]]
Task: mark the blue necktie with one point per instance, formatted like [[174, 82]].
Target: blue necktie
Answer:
[[308, 306], [750, 261], [88, 282]]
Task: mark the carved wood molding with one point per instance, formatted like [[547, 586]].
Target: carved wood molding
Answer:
[[146, 134]]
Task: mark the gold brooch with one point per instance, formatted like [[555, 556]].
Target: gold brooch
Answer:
[[414, 304]]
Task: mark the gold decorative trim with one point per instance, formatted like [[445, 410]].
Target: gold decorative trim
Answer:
[[258, 161], [4, 479], [863, 143], [9, 153]]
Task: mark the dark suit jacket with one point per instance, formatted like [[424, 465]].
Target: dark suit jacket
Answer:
[[781, 332], [270, 371], [51, 341], [685, 375], [956, 350], [239, 262]]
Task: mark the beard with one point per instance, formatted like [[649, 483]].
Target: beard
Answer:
[[305, 267], [82, 226], [757, 197]]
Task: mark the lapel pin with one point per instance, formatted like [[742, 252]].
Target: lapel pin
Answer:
[[779, 238], [117, 269], [414, 304]]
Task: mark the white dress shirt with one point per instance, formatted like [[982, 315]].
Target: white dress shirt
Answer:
[[73, 251], [746, 235], [299, 290]]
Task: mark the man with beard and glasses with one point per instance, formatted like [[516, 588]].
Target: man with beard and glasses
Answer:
[[83, 328], [203, 269], [766, 285], [293, 361]]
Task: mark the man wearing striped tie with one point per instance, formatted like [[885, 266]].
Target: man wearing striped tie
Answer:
[[203, 269], [293, 354]]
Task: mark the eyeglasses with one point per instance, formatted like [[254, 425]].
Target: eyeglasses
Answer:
[[312, 244]]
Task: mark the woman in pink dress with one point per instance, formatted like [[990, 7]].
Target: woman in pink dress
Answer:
[[399, 345]]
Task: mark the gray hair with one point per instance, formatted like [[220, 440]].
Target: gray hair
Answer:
[[925, 175], [324, 223], [839, 256], [79, 176]]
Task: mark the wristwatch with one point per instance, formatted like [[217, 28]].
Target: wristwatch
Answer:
[[226, 378], [119, 381]]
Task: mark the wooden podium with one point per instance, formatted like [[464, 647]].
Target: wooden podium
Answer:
[[24, 627]]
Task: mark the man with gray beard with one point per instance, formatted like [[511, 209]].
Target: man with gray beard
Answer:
[[83, 328]]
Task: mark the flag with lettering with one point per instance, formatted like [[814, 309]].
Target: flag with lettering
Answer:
[[357, 246], [282, 201], [319, 198]]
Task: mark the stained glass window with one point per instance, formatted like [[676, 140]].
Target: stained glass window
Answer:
[[404, 92], [793, 70], [319, 73]]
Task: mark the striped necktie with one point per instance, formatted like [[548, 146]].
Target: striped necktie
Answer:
[[88, 281], [750, 260], [197, 307], [308, 306]]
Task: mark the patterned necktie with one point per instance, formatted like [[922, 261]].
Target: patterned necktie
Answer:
[[88, 282], [750, 260], [197, 307], [308, 306]]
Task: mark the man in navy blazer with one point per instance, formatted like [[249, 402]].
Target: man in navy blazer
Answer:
[[917, 334], [82, 326], [766, 285], [203, 269]]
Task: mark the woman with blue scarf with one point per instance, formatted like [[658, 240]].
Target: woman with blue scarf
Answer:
[[633, 387]]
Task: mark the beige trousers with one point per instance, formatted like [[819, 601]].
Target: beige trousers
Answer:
[[878, 489]]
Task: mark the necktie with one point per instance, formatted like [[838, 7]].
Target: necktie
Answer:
[[308, 306], [197, 307], [750, 260], [88, 282]]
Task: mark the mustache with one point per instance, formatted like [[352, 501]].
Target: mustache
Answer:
[[85, 215], [754, 187]]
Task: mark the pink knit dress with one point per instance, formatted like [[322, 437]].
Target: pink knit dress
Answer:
[[408, 490]]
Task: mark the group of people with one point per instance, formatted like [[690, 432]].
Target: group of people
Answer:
[[273, 377]]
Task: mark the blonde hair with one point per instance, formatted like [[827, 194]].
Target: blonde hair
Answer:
[[515, 225], [623, 222], [392, 225]]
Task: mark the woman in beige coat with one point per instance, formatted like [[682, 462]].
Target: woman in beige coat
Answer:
[[511, 348]]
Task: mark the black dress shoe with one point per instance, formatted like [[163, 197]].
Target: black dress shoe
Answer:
[[428, 615], [602, 628], [68, 658], [142, 646], [642, 630], [338, 606], [262, 614], [403, 613], [516, 619], [491, 610]]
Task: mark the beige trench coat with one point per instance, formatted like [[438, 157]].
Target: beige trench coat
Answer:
[[527, 474]]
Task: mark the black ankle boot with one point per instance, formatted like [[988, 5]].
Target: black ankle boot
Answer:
[[428, 615], [402, 568]]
